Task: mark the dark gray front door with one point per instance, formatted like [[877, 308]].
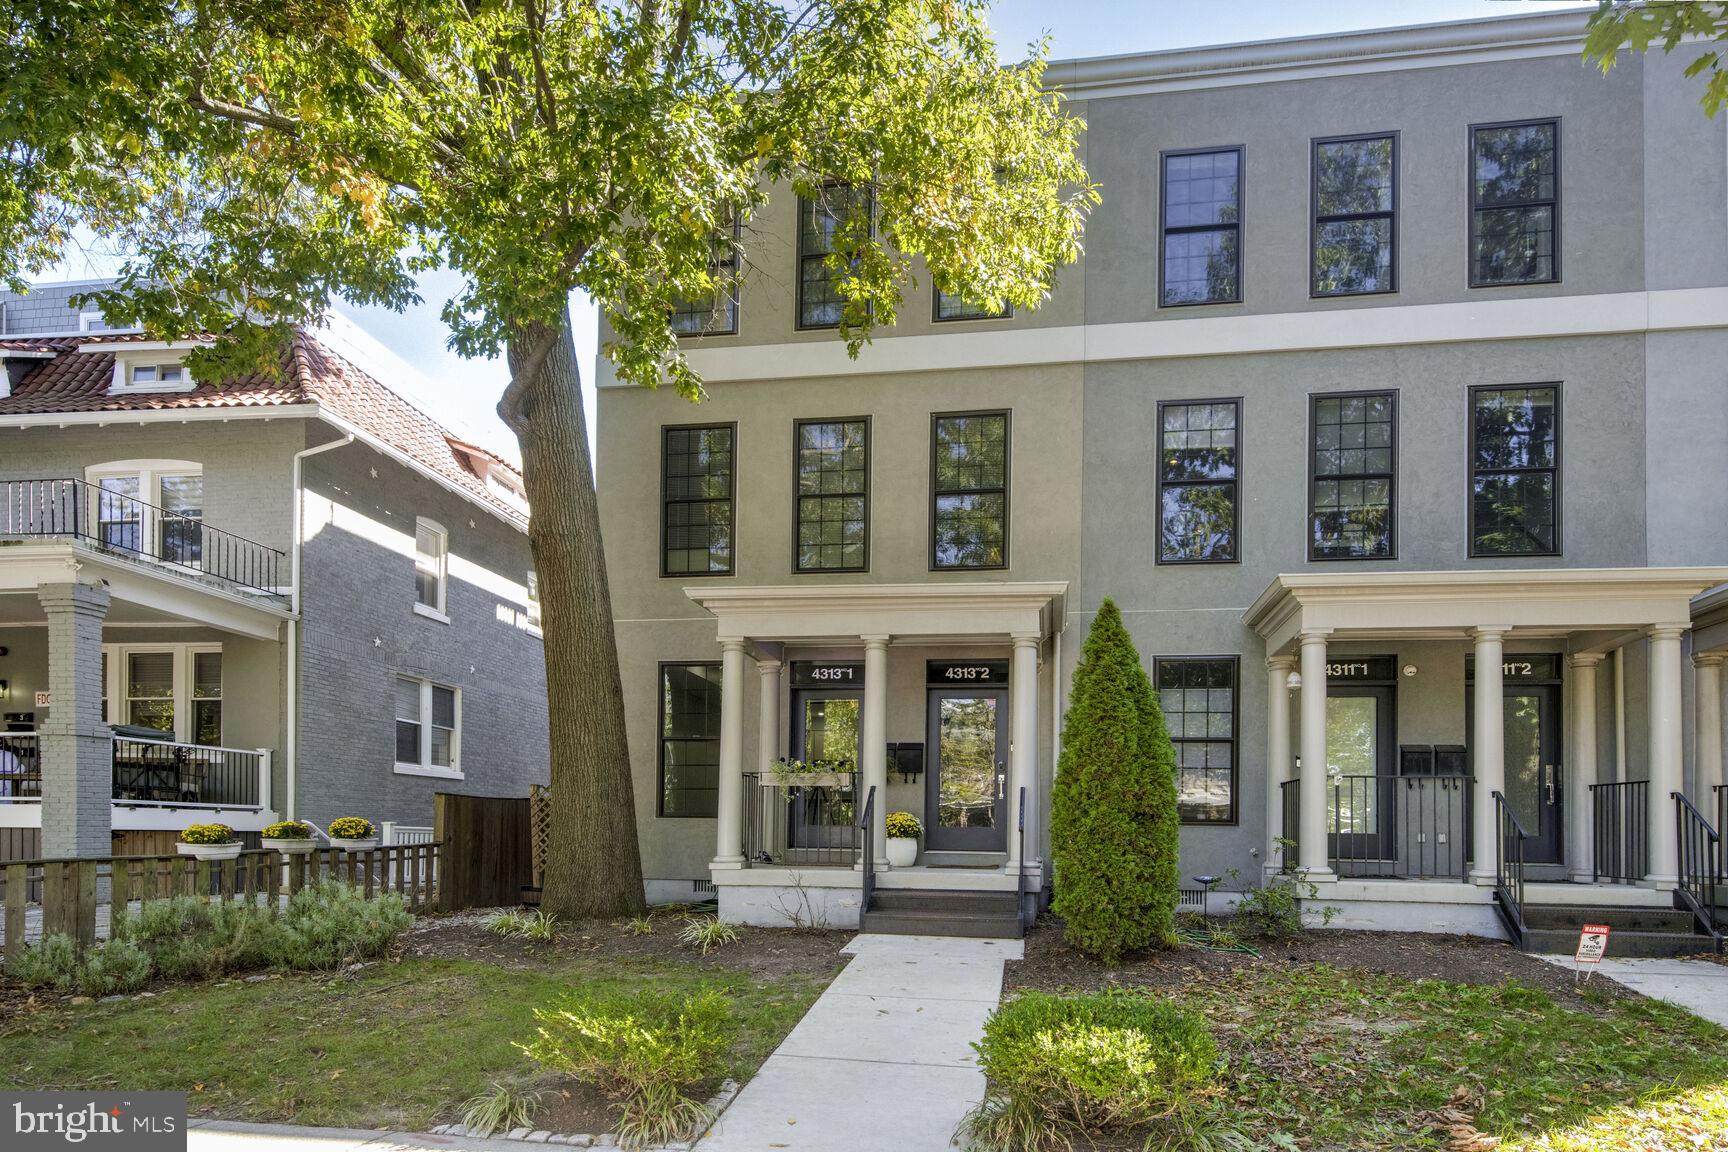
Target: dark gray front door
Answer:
[[824, 727], [966, 805]]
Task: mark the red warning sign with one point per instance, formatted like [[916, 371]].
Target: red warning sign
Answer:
[[1592, 944]]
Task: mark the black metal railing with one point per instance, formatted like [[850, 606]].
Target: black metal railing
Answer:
[[1509, 838], [1620, 831], [1404, 827], [1020, 880], [1700, 865], [116, 522], [20, 768], [791, 823], [867, 858], [168, 773], [1290, 803], [1721, 791]]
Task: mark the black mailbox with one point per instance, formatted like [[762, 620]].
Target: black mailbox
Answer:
[[1415, 759], [906, 759], [1450, 760]]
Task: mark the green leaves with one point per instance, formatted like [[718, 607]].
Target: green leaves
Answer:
[[1617, 24]]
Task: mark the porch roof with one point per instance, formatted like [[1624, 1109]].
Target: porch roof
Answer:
[[1534, 603], [844, 612]]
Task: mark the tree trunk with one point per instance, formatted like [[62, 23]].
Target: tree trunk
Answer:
[[593, 866]]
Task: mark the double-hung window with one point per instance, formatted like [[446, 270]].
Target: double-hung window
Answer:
[[431, 567], [1201, 209], [714, 313], [833, 494], [428, 728], [1353, 480], [152, 508], [1199, 474], [173, 688], [696, 500], [1514, 203], [1355, 229], [951, 307], [969, 490], [832, 227], [1515, 470], [1198, 696], [689, 739]]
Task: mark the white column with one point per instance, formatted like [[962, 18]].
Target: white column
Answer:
[[1488, 749], [1707, 706], [1278, 669], [1666, 770], [1023, 742], [767, 733], [1312, 855], [874, 739], [729, 816], [1581, 766]]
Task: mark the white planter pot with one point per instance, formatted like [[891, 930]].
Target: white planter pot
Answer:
[[902, 851], [209, 851], [808, 780], [296, 847], [354, 845]]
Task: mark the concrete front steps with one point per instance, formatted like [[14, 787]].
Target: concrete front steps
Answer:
[[1643, 932], [915, 912]]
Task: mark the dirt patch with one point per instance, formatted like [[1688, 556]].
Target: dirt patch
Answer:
[[766, 953], [1053, 966]]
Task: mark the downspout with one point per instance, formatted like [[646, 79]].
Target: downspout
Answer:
[[291, 767]]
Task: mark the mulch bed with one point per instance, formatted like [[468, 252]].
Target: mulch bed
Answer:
[[1050, 965]]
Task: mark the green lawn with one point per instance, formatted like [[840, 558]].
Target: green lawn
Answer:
[[397, 1046], [1347, 1059]]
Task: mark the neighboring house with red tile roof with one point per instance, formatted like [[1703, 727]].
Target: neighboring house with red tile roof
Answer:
[[319, 597]]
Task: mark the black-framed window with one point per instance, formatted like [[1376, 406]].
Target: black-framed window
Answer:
[[833, 493], [1355, 199], [715, 314], [1353, 476], [823, 225], [696, 493], [969, 490], [1514, 203], [1201, 210], [1198, 695], [689, 739], [1199, 481], [951, 307], [1515, 470]]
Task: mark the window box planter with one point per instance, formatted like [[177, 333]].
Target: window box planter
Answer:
[[353, 834], [298, 846], [807, 780], [348, 844], [210, 851]]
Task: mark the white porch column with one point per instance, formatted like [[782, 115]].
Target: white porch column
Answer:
[[1581, 766], [1488, 749], [1023, 741], [1278, 669], [1707, 743], [874, 739], [767, 727], [1313, 858], [729, 822], [1667, 774], [77, 754]]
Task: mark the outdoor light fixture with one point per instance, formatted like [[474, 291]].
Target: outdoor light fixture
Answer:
[[1409, 669], [1205, 883], [5, 692], [1293, 681]]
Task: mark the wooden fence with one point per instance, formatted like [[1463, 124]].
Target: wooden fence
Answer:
[[488, 860], [76, 896]]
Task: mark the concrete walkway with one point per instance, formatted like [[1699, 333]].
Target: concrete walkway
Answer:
[[883, 1059], [1699, 986]]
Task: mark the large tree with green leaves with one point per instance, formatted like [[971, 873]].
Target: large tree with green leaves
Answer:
[[1697, 27], [255, 158]]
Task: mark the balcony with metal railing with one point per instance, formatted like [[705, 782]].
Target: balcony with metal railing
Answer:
[[149, 774], [125, 526], [1389, 827]]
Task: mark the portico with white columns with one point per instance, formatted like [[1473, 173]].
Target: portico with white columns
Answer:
[[887, 636]]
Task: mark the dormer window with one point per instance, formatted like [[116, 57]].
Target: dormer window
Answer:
[[151, 375], [157, 375]]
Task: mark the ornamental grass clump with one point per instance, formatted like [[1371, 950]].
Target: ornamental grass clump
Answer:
[[1066, 1067], [643, 1050]]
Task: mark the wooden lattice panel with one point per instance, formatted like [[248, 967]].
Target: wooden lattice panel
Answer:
[[539, 824]]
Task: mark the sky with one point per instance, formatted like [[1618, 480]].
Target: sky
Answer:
[[409, 350]]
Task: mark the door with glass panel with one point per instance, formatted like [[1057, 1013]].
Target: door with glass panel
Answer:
[[967, 789], [1533, 786], [1359, 764], [824, 730]]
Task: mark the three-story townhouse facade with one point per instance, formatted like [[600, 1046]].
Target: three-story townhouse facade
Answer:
[[1387, 403], [287, 597]]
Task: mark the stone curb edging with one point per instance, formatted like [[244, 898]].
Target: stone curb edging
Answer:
[[716, 1104]]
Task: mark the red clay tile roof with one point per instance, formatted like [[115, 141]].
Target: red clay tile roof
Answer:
[[77, 381]]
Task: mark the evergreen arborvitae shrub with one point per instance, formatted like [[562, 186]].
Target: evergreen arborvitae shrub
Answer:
[[1113, 820]]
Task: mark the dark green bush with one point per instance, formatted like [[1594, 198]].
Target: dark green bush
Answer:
[[328, 924], [643, 1049], [1113, 818], [1066, 1066]]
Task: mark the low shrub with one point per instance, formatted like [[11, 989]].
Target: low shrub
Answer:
[[287, 830], [208, 834], [351, 828], [642, 1050], [1067, 1066], [498, 1110], [706, 933], [904, 826], [51, 962], [107, 968], [191, 939], [328, 924], [1273, 911]]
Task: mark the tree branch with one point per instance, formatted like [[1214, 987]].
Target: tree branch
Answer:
[[274, 121]]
